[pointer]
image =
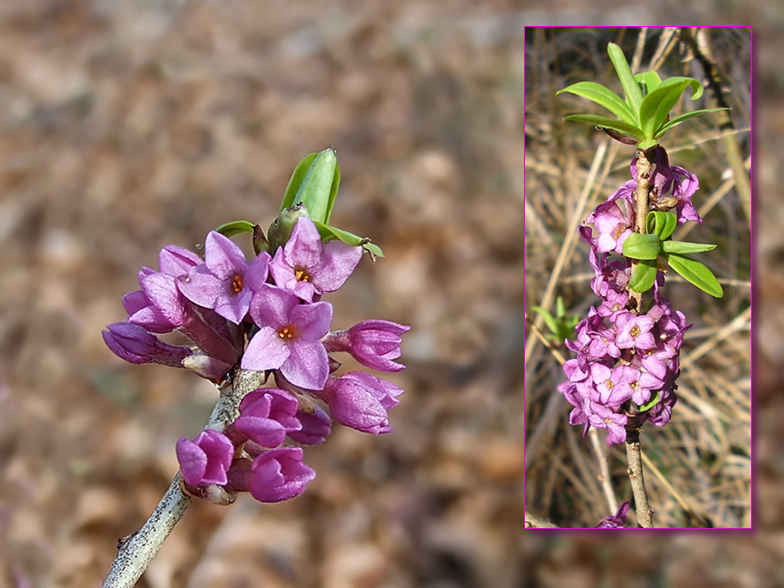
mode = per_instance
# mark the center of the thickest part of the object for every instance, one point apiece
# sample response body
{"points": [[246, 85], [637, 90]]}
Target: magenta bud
{"points": [[279, 474], [137, 345]]}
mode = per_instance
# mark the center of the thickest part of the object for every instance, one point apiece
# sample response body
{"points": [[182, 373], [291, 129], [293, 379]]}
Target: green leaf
{"points": [[608, 123], [560, 311], [296, 180], [649, 81], [696, 273], [643, 276], [656, 106], [683, 247], [318, 188], [684, 117], [647, 144], [652, 402], [603, 97], [638, 246], [328, 233], [235, 228], [548, 319], [662, 224], [631, 88], [333, 192]]}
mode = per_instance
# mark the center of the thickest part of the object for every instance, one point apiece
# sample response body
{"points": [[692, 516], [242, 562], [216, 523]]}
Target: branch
{"points": [[633, 454], [643, 508], [533, 521], [604, 469], [136, 552]]}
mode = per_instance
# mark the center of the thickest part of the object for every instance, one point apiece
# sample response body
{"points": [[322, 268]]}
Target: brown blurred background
{"points": [[125, 127]]}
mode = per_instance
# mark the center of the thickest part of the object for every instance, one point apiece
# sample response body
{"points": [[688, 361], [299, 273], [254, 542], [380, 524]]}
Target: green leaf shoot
{"points": [[643, 276], [682, 247], [639, 246], [695, 273]]}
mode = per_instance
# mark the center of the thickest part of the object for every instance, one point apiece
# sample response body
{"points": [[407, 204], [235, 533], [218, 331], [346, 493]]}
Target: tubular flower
{"points": [[206, 459]]}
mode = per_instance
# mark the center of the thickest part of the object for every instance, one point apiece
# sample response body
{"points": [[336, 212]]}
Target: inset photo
{"points": [[638, 275]]}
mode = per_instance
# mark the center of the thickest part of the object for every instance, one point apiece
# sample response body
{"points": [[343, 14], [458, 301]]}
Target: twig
{"points": [[642, 507], [533, 521], [136, 552], [641, 211], [604, 469]]}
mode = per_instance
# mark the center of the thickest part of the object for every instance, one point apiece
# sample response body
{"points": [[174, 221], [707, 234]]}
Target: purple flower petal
{"points": [[279, 474], [266, 351]]}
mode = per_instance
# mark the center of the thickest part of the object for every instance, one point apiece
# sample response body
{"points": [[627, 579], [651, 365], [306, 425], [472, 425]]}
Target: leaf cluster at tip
{"points": [[643, 113]]}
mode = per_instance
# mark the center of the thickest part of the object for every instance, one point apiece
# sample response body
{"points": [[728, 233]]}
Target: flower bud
{"points": [[136, 345], [281, 228], [206, 459], [279, 474]]}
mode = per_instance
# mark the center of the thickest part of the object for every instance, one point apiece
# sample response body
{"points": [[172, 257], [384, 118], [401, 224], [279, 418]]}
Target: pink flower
{"points": [[361, 401], [279, 474], [374, 344], [634, 331], [266, 415], [136, 345], [307, 267], [289, 337], [225, 282], [316, 426], [206, 459]]}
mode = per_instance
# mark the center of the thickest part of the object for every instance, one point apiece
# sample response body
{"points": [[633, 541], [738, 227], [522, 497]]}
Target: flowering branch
{"points": [[136, 552], [248, 320], [627, 360]]}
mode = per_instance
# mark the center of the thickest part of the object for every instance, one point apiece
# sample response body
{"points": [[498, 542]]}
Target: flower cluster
{"points": [[264, 315], [627, 362]]}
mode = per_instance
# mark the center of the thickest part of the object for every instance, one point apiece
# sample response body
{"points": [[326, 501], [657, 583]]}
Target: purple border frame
{"points": [[752, 491]]}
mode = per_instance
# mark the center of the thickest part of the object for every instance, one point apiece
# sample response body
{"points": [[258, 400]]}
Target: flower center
{"points": [[609, 384], [615, 307], [608, 420], [236, 284], [635, 385], [635, 331], [302, 274], [287, 332]]}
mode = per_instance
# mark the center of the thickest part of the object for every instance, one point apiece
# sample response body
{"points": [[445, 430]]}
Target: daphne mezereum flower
{"points": [[308, 267], [206, 459], [316, 426], [603, 417], [374, 344], [173, 262], [616, 521], [266, 415], [613, 220], [634, 331], [225, 282], [289, 337], [361, 401], [137, 345], [279, 474], [613, 384]]}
